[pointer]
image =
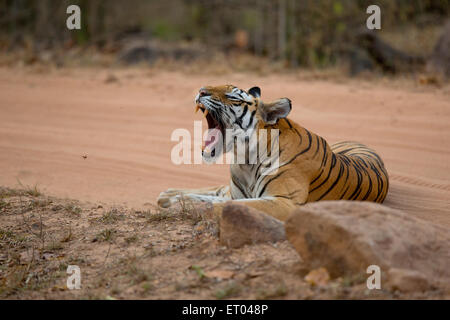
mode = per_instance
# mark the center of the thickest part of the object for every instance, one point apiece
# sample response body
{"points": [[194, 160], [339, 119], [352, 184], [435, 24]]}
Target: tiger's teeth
{"points": [[206, 112]]}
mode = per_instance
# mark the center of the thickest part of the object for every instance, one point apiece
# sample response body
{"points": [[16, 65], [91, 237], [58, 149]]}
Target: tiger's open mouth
{"points": [[212, 140]]}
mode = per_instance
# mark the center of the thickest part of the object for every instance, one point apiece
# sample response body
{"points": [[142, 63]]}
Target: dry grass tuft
{"points": [[112, 216]]}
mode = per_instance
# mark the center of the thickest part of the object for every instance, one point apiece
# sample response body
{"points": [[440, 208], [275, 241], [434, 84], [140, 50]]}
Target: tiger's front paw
{"points": [[164, 202], [167, 198]]}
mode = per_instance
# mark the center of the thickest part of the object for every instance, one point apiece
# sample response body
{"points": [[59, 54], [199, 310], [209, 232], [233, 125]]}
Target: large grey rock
{"points": [[347, 236], [390, 59], [440, 58], [150, 52], [240, 225]]}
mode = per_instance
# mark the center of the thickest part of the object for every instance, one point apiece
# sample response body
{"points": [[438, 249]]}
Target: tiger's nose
{"points": [[203, 92]]}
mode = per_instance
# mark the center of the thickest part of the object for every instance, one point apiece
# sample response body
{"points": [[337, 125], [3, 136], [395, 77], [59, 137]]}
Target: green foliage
{"points": [[229, 290], [251, 19], [338, 8], [199, 271], [315, 32], [166, 31]]}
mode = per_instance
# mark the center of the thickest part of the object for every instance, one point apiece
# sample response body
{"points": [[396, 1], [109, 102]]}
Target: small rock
{"points": [[48, 256], [405, 280], [110, 79], [57, 207], [28, 256], [38, 226], [255, 274], [240, 225], [219, 274], [318, 277]]}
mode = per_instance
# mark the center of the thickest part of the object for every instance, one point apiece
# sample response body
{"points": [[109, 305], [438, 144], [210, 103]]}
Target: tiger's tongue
{"points": [[211, 138]]}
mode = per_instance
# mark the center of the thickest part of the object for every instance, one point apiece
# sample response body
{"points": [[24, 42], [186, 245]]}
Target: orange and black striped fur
{"points": [[309, 169]]}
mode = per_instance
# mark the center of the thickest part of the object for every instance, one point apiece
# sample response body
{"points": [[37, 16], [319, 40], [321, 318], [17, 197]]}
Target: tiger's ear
{"points": [[271, 112], [255, 91]]}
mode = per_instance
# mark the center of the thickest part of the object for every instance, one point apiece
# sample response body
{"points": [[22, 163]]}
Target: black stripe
{"points": [[342, 196], [333, 164], [238, 120], [325, 157], [214, 102], [369, 190], [377, 158], [318, 146], [346, 150], [387, 188], [364, 162], [315, 179], [270, 180], [358, 186], [300, 136], [324, 161], [238, 185], [346, 177], [355, 161], [293, 192], [251, 118], [258, 174], [281, 196], [301, 152], [379, 181], [243, 113], [289, 123], [341, 170]]}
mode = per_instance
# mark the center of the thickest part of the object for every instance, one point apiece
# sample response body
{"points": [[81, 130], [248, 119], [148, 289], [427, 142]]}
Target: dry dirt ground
{"points": [[102, 137]]}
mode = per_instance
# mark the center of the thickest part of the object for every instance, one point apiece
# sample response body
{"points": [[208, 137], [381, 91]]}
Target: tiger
{"points": [[309, 169]]}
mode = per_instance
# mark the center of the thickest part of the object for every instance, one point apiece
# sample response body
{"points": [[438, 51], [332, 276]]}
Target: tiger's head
{"points": [[233, 113]]}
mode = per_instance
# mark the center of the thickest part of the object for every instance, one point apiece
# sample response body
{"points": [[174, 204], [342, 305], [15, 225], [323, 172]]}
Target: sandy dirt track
{"points": [[78, 136]]}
